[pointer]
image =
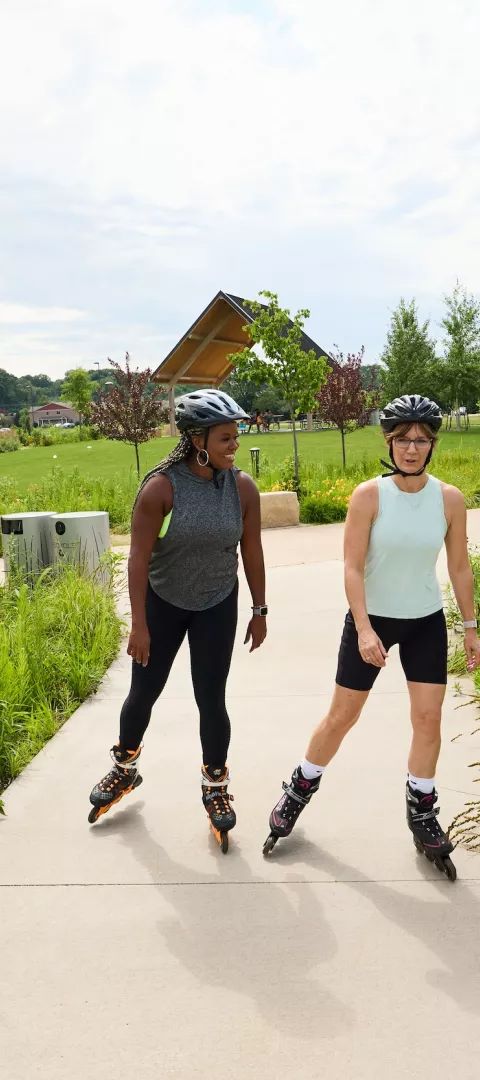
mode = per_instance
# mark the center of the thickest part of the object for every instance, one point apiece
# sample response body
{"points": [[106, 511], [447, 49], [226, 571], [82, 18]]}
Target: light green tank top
{"points": [[405, 541]]}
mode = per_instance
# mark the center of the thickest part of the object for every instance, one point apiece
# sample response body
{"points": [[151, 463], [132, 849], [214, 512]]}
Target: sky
{"points": [[156, 152]]}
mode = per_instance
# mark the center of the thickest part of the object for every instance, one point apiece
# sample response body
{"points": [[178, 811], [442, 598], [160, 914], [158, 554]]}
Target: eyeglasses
{"points": [[419, 444]]}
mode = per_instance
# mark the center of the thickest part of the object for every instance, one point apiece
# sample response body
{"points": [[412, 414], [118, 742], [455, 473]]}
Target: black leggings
{"points": [[211, 635]]}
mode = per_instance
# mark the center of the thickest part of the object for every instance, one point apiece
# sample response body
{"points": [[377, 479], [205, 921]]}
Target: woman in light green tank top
{"points": [[395, 528]]}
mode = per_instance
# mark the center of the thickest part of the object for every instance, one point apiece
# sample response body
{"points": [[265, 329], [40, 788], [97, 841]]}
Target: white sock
{"points": [[421, 783], [311, 771]]}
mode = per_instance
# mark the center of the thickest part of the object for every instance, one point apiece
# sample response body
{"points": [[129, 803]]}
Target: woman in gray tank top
{"points": [[395, 528], [190, 515]]}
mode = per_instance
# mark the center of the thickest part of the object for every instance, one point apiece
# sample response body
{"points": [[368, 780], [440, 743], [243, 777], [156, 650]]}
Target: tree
{"points": [[458, 371], [296, 373], [409, 355], [128, 412], [342, 400], [371, 376], [77, 391], [25, 419], [251, 396]]}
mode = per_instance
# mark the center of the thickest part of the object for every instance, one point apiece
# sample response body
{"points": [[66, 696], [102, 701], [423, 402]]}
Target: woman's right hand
{"points": [[371, 648], [139, 644]]}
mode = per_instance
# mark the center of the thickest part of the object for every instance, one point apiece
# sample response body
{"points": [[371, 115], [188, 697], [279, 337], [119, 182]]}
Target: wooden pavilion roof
{"points": [[200, 358]]}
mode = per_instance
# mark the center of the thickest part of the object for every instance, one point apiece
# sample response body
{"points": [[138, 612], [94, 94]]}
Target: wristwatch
{"points": [[260, 609], [470, 624]]}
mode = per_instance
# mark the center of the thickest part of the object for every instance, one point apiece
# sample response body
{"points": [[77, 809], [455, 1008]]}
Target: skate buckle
{"points": [[298, 798]]}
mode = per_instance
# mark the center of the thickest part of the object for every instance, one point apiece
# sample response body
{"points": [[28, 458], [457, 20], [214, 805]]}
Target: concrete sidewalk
{"points": [[135, 947]]}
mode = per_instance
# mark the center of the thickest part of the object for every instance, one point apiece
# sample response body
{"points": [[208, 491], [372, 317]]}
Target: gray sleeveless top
{"points": [[195, 565]]}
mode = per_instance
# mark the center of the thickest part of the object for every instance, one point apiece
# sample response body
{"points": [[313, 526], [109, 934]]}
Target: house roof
{"points": [[200, 357], [53, 405]]}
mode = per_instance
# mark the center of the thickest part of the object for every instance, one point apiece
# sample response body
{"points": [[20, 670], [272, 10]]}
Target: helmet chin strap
{"points": [[394, 469]]}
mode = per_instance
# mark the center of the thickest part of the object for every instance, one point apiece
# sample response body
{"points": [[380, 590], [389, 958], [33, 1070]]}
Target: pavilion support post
{"points": [[171, 405]]}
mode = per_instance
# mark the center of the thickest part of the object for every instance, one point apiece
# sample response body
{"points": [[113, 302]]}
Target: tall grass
{"points": [[324, 496], [57, 639], [63, 492], [465, 828]]}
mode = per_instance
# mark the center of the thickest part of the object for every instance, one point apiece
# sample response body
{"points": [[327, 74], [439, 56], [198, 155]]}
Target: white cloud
{"points": [[182, 128], [22, 314]]}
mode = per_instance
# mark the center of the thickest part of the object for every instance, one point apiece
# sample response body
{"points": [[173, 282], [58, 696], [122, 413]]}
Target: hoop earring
{"points": [[203, 463]]}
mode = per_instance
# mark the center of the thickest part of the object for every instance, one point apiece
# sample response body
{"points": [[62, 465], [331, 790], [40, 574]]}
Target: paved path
{"points": [[136, 948]]}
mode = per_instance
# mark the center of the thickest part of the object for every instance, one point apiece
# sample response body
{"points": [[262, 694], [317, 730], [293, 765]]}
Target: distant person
{"points": [[255, 420]]}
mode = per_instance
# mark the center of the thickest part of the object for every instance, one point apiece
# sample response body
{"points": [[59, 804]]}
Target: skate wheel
{"points": [[224, 842], [269, 844], [93, 815], [447, 867]]}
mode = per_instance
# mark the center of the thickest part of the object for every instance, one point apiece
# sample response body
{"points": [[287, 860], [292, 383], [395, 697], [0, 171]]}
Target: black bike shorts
{"points": [[423, 650]]}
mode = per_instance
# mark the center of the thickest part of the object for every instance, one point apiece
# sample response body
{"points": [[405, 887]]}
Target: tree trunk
{"points": [[138, 459], [343, 447], [296, 472]]}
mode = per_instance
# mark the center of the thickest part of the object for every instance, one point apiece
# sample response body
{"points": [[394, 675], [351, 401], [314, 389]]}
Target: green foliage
{"points": [[465, 828], [97, 476], [458, 371], [78, 628], [251, 397], [70, 492], [318, 510], [25, 420], [371, 376], [77, 390], [132, 409], [9, 443], [408, 356], [296, 374]]}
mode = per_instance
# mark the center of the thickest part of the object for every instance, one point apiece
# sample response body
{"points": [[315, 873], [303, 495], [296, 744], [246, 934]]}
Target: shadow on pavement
{"points": [[281, 930]]}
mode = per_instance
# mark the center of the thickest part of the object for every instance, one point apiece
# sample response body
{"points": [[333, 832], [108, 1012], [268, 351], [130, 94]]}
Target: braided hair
{"points": [[180, 452]]}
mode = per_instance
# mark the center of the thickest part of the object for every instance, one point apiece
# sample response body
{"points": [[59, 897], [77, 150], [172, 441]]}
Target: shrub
{"points": [[9, 442], [465, 828], [320, 510], [56, 641], [64, 492]]}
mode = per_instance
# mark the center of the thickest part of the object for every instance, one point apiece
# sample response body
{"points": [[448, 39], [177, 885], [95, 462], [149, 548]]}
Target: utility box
{"points": [[27, 542], [80, 539]]}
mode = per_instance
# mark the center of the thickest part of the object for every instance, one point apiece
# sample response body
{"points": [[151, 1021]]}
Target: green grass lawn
{"points": [[106, 459]]}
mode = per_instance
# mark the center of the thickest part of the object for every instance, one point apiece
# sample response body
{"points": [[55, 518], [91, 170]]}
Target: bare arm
{"points": [[154, 502], [252, 556], [459, 569], [361, 514]]}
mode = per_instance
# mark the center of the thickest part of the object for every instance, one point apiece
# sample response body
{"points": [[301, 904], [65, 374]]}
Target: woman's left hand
{"points": [[257, 632], [472, 650]]}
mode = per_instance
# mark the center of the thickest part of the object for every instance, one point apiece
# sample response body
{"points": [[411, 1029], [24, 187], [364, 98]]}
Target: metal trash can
{"points": [[27, 541], [80, 538]]}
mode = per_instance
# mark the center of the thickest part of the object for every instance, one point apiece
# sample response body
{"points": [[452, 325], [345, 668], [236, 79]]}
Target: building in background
{"points": [[55, 412]]}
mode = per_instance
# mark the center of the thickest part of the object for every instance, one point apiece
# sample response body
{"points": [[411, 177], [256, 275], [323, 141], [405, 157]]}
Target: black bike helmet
{"points": [[411, 409], [205, 409]]}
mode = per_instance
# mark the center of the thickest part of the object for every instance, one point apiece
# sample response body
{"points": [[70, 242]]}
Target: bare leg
{"points": [[426, 700], [343, 713]]}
